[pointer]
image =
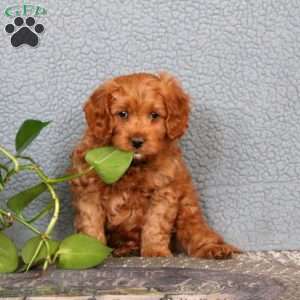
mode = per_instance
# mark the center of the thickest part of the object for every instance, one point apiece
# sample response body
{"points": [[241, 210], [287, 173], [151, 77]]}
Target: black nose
{"points": [[137, 142]]}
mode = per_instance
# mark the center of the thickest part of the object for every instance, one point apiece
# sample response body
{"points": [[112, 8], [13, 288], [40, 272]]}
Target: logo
{"points": [[24, 29]]}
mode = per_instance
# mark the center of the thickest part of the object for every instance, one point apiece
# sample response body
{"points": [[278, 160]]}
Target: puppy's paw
{"points": [[155, 252], [216, 251], [128, 249]]}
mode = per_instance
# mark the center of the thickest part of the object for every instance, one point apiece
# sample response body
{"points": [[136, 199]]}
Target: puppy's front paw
{"points": [[216, 251], [155, 252], [128, 249]]}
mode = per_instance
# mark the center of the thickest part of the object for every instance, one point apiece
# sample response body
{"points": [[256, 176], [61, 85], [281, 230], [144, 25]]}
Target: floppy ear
{"points": [[97, 111], [177, 104]]}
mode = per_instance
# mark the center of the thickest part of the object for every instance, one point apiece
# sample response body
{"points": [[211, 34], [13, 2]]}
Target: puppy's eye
{"points": [[123, 114], [154, 116]]}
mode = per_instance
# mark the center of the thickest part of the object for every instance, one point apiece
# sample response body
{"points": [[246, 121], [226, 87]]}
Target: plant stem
{"points": [[20, 220], [26, 158], [45, 265], [48, 258], [11, 157], [41, 214], [37, 170], [8, 175], [4, 167], [52, 192], [55, 209], [2, 223], [36, 253], [69, 177]]}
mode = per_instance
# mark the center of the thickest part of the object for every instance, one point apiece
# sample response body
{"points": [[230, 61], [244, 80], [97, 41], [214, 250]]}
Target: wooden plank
{"points": [[144, 282], [137, 297]]}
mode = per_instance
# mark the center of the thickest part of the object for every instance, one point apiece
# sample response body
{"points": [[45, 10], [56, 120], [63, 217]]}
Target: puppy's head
{"points": [[142, 113]]}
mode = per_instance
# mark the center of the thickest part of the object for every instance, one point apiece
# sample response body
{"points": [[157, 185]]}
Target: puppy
{"points": [[145, 114]]}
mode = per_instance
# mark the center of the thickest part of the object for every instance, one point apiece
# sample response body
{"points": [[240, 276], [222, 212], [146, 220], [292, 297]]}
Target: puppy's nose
{"points": [[137, 142]]}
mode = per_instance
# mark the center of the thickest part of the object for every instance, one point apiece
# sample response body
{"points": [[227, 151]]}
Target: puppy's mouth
{"points": [[138, 159], [138, 156]]}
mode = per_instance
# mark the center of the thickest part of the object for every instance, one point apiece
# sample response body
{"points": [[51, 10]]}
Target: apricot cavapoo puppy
{"points": [[146, 114]]}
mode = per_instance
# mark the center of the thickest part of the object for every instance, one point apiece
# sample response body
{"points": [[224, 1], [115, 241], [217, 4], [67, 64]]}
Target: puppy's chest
{"points": [[126, 202], [126, 209]]}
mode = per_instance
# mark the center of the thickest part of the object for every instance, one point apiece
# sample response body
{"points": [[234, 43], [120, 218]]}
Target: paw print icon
{"points": [[24, 33]]}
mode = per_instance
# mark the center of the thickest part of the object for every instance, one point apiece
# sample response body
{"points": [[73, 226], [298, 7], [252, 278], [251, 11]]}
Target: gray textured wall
{"points": [[238, 59]]}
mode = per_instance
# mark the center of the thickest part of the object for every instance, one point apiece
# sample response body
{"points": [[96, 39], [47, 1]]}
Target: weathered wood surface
{"points": [[246, 277], [109, 280]]}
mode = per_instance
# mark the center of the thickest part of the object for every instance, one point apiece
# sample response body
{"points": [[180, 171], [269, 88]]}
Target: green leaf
{"points": [[28, 131], [80, 251], [21, 200], [110, 163], [8, 255], [30, 247]]}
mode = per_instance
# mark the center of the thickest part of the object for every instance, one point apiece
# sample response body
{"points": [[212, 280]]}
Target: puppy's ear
{"points": [[177, 104], [97, 112]]}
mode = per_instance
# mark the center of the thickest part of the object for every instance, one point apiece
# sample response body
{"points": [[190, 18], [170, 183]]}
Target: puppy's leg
{"points": [[89, 214], [160, 218], [195, 236]]}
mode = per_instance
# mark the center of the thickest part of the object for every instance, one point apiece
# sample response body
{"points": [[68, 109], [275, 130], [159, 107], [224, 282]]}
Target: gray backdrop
{"points": [[239, 60]]}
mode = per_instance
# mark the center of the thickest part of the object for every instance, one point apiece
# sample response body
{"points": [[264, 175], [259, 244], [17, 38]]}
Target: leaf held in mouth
{"points": [[109, 162]]}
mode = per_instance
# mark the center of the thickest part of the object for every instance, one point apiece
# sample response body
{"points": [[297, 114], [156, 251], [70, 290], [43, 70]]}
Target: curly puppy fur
{"points": [[146, 114]]}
